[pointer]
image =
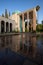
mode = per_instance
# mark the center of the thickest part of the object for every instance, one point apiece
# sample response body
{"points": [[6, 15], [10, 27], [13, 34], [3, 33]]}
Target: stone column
{"points": [[28, 21], [9, 27], [34, 19], [5, 26], [23, 23]]}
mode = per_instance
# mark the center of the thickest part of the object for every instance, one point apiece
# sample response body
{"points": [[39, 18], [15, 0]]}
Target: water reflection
{"points": [[27, 45], [2, 41], [5, 41]]}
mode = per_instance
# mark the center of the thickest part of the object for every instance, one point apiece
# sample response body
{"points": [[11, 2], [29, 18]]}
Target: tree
{"points": [[6, 13], [42, 24], [2, 15], [9, 13], [42, 21], [37, 7], [13, 12], [39, 28], [36, 21]]}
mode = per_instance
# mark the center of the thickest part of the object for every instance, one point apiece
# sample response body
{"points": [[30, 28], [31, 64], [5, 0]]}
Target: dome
{"points": [[16, 11]]}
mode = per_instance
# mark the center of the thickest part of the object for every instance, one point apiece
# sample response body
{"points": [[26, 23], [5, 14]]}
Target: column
{"points": [[9, 27], [34, 19], [5, 26], [23, 23], [28, 21]]}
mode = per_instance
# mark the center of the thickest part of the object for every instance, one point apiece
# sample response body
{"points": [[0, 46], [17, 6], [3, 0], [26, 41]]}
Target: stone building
{"points": [[25, 20], [20, 21]]}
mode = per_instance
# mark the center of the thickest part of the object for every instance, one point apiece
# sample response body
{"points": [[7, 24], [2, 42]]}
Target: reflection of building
{"points": [[19, 21], [28, 48], [5, 41]]}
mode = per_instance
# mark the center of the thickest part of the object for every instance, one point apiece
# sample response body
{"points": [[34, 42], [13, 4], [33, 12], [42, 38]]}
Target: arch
{"points": [[2, 26], [25, 26], [7, 27], [10, 27]]}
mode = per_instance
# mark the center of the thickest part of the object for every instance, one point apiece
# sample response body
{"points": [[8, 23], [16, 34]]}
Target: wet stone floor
{"points": [[21, 49]]}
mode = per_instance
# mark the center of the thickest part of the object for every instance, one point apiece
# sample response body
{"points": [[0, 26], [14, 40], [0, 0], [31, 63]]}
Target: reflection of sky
{"points": [[21, 5]]}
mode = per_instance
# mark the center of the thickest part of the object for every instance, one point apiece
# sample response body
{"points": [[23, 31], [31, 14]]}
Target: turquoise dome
{"points": [[16, 11]]}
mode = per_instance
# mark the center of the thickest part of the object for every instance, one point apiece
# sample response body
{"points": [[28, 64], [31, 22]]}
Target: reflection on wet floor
{"points": [[5, 41], [26, 45]]}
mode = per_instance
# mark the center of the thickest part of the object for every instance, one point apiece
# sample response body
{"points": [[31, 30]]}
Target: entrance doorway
{"points": [[7, 27], [10, 27], [2, 26], [25, 26]]}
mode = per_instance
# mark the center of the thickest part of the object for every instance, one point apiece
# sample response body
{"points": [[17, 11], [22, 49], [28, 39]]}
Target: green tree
{"points": [[39, 27], [2, 15], [42, 22], [6, 13], [13, 12], [36, 21], [37, 8], [9, 13]]}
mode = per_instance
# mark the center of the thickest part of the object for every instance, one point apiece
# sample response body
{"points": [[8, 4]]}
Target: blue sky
{"points": [[22, 5]]}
